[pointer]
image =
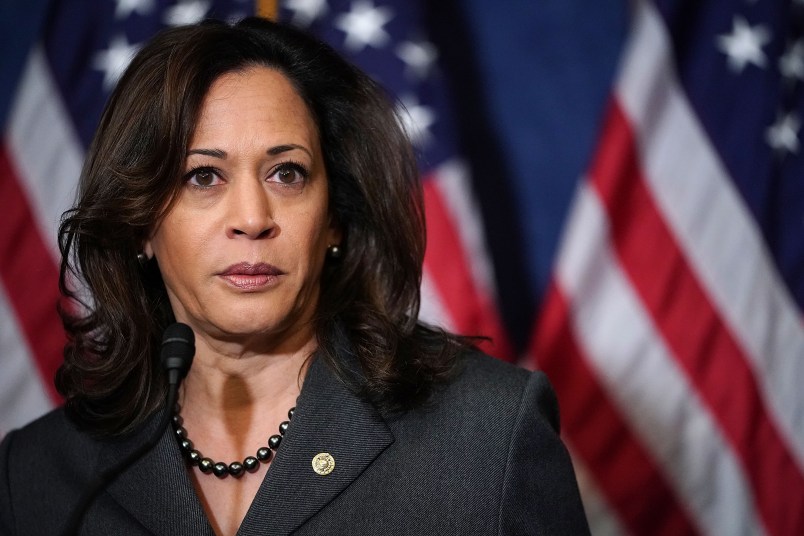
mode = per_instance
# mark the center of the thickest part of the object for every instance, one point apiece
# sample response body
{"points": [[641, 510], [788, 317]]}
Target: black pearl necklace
{"points": [[220, 469]]}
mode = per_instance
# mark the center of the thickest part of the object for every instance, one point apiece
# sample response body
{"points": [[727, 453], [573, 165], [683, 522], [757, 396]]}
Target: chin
{"points": [[261, 323]]}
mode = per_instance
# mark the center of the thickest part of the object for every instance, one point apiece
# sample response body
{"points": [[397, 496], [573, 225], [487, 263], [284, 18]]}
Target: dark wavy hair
{"points": [[369, 299]]}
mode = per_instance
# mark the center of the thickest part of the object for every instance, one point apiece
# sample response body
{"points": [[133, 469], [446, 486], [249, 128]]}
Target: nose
{"points": [[250, 211]]}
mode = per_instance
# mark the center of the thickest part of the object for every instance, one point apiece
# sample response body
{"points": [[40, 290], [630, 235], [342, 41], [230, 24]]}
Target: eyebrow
{"points": [[273, 151], [279, 149], [216, 153]]}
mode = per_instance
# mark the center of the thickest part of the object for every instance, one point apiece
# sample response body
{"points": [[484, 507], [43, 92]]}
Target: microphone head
{"points": [[178, 350]]}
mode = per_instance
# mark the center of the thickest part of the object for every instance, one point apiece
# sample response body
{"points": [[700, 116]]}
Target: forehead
{"points": [[254, 100]]}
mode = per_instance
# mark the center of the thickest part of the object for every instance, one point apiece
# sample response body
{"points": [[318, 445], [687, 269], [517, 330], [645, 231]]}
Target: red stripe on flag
{"points": [[692, 328], [471, 311], [624, 471], [29, 276]]}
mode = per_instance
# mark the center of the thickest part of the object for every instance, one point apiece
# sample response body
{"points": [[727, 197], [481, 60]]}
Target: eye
{"points": [[203, 177], [289, 173]]}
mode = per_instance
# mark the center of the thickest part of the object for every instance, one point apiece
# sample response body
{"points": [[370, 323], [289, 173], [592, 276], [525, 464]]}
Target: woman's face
{"points": [[242, 249]]}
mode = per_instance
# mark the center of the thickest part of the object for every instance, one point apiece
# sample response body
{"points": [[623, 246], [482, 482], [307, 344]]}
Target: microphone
{"points": [[178, 350], [176, 357]]}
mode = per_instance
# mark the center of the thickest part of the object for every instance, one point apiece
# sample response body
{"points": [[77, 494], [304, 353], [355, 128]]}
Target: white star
{"points": [[416, 120], [114, 60], [306, 11], [186, 12], [782, 136], [744, 44], [419, 56], [792, 63], [125, 8], [363, 25]]}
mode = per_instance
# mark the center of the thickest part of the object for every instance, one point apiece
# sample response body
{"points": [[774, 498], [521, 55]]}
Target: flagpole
{"points": [[267, 8]]}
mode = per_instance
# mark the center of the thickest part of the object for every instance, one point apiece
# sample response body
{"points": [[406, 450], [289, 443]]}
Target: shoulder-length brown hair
{"points": [[370, 297]]}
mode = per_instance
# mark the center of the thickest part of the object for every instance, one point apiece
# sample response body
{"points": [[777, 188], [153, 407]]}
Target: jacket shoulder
{"points": [[486, 375], [485, 383], [52, 436], [44, 466]]}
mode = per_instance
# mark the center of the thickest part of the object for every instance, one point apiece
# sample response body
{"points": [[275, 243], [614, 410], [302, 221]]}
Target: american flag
{"points": [[614, 191], [673, 323]]}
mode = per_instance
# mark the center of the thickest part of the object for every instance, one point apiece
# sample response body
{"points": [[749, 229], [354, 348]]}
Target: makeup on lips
{"points": [[246, 276]]}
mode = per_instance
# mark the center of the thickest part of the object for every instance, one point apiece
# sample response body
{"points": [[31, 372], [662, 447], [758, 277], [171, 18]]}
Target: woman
{"points": [[248, 182]]}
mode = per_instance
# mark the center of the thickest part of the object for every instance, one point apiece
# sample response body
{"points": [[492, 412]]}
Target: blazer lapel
{"points": [[156, 490], [329, 419]]}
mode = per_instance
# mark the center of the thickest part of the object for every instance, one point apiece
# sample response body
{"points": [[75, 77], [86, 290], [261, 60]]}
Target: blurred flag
{"points": [[635, 231], [673, 328]]}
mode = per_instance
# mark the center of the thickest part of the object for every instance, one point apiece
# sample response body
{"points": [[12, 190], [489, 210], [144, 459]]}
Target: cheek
{"points": [[323, 235], [310, 220], [310, 242], [177, 244], [307, 245]]}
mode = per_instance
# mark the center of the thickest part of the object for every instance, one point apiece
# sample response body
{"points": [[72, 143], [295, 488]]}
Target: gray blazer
{"points": [[482, 457]]}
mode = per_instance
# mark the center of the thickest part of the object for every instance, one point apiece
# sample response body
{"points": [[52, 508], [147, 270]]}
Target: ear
{"points": [[334, 236], [148, 249], [334, 232]]}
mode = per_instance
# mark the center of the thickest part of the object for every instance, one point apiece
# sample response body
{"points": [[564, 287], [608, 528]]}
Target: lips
{"points": [[246, 276]]}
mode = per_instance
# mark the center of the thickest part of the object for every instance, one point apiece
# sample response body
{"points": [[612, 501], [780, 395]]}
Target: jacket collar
{"points": [[329, 418], [156, 490]]}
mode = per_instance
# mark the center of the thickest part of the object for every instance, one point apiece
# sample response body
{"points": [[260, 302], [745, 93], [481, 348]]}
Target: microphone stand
{"points": [[178, 349]]}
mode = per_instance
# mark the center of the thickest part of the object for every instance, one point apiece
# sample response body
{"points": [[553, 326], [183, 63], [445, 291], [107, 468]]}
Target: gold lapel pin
{"points": [[323, 463]]}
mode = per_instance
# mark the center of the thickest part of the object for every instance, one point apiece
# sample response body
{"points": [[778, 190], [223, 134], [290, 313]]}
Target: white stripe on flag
{"points": [[452, 180], [22, 395], [622, 345], [432, 308], [43, 145], [701, 205], [602, 519]]}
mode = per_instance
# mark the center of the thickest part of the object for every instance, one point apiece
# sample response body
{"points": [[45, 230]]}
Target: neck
{"points": [[231, 402], [230, 385]]}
